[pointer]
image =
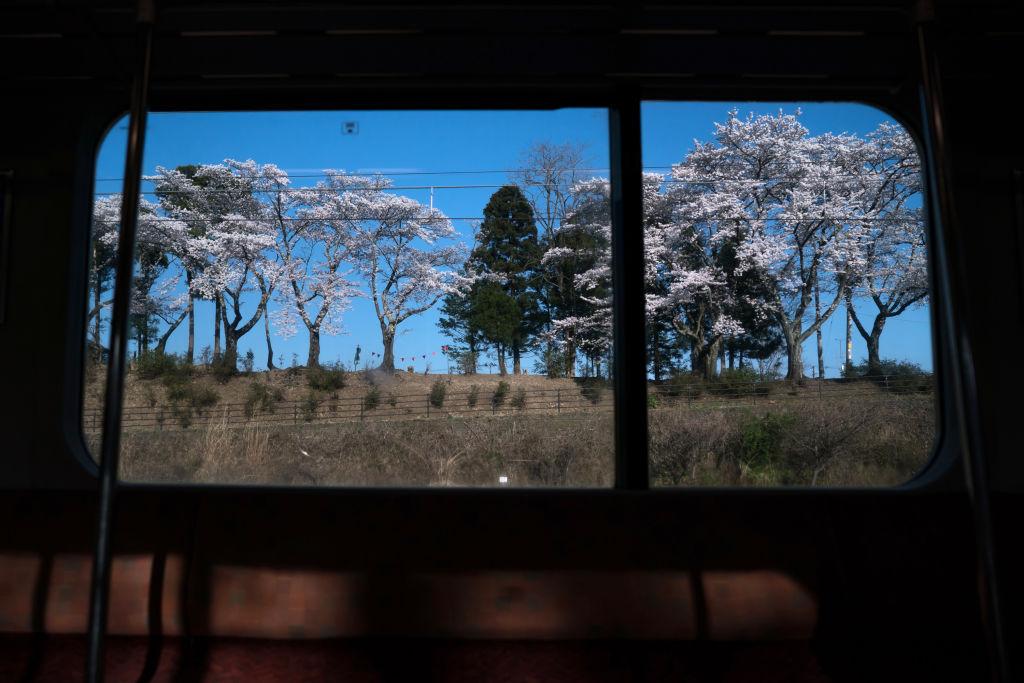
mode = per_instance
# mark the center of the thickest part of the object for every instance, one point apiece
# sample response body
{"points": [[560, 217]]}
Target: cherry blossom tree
{"points": [[161, 245], [394, 243], [238, 240], [793, 201], [580, 248], [894, 271]]}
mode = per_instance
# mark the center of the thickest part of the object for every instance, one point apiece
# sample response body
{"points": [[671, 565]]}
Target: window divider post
{"points": [[628, 303]]}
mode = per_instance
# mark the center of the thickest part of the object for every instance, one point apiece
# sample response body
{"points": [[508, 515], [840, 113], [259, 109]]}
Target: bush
{"points": [[737, 383], [328, 377], [761, 445], [466, 361], [392, 399], [592, 390], [225, 367], [652, 400], [186, 398], [473, 396], [372, 399], [500, 394], [156, 364], [900, 377], [438, 390], [248, 362], [309, 406], [201, 397], [262, 399], [685, 385], [519, 398]]}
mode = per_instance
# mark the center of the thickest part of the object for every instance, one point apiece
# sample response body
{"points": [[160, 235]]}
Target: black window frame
{"points": [[623, 102]]}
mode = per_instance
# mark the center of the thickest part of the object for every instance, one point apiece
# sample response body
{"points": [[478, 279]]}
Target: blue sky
{"points": [[437, 149]]}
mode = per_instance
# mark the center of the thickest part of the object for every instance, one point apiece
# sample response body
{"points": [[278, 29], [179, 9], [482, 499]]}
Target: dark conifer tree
{"points": [[507, 246]]}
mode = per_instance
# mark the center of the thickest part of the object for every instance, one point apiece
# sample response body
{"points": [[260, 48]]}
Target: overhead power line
{"points": [[165, 219]]}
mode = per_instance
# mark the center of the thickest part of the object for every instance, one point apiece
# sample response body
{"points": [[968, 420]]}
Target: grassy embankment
{"points": [[855, 433]]}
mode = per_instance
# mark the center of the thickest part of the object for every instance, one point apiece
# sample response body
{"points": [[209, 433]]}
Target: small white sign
{"points": [[503, 480]]}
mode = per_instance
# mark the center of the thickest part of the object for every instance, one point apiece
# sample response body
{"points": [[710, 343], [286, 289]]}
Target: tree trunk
{"points": [[97, 305], [387, 363], [502, 369], [516, 360], [709, 359], [161, 343], [817, 316], [873, 342], [270, 346], [570, 360], [795, 355], [472, 356], [313, 359], [218, 313], [190, 354]]}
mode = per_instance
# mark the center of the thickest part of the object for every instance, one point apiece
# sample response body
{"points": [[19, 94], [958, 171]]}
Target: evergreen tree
{"points": [[458, 324], [507, 246]]}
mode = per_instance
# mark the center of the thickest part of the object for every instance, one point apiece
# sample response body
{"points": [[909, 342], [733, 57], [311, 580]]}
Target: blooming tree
{"points": [[394, 243], [894, 268]]}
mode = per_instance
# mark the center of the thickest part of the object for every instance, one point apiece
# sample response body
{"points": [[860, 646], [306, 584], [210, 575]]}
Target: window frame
{"points": [[623, 103]]}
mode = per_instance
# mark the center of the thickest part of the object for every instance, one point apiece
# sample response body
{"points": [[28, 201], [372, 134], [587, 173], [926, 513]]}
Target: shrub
{"points": [[156, 364], [466, 362], [737, 383], [473, 396], [329, 377], [186, 398], [519, 398], [225, 367], [685, 385], [592, 390], [901, 377], [438, 390], [201, 397], [248, 362], [652, 400], [392, 399], [372, 399], [500, 394], [761, 444], [262, 399], [183, 414], [309, 406], [150, 396]]}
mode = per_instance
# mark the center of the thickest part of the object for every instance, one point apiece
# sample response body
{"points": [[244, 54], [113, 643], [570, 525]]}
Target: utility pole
{"points": [[849, 338], [817, 317]]}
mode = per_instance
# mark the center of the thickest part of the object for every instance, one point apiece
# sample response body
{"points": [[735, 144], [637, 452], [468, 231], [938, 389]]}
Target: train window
{"points": [[788, 326], [394, 298]]}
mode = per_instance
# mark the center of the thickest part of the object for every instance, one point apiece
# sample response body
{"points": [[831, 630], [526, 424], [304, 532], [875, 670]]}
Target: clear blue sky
{"points": [[436, 148]]}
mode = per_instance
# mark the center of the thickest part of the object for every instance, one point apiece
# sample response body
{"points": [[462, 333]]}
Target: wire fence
{"points": [[579, 401]]}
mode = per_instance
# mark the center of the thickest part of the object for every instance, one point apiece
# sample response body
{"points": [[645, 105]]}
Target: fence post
{"points": [[295, 414], [819, 388], [428, 405], [559, 401]]}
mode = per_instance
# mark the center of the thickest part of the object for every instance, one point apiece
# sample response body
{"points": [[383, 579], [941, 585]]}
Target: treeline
{"points": [[753, 241]]}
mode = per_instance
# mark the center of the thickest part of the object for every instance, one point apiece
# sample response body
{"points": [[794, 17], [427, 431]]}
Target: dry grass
{"points": [[874, 440]]}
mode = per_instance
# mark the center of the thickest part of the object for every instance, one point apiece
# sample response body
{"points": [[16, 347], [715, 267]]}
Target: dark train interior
{"points": [[113, 580]]}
